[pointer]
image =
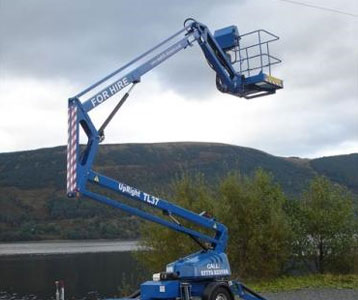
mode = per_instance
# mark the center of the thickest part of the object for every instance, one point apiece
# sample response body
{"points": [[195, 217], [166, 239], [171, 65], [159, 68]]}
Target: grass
{"points": [[290, 283]]}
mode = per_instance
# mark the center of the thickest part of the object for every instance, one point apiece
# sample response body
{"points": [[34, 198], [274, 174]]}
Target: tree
{"points": [[252, 208], [328, 226], [164, 245]]}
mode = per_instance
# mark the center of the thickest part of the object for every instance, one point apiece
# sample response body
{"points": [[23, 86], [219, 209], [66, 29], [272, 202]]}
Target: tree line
{"points": [[270, 234]]}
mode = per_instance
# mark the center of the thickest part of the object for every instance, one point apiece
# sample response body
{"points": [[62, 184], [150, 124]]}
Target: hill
{"points": [[32, 183]]}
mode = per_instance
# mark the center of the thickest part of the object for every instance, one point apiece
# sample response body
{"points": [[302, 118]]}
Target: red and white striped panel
{"points": [[72, 150]]}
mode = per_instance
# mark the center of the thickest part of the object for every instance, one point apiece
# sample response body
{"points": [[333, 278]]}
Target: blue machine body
{"points": [[192, 274], [161, 289], [203, 264], [168, 289]]}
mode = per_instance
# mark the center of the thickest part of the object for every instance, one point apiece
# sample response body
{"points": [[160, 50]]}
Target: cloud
{"points": [[51, 50], [80, 40]]}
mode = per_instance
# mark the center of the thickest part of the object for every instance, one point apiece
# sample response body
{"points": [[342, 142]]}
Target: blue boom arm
{"points": [[80, 173], [217, 51], [234, 75], [135, 75]]}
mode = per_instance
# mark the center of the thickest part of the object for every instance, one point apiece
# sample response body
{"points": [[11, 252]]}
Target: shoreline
{"points": [[52, 247]]}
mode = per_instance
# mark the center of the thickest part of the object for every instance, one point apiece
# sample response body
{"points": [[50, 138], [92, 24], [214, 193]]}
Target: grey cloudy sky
{"points": [[51, 50]]}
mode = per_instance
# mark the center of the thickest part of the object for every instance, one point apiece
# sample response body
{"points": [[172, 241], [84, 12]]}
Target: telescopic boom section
{"points": [[135, 75]]}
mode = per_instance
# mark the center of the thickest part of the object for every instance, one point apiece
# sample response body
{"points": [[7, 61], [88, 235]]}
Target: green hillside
{"points": [[32, 183], [342, 169]]}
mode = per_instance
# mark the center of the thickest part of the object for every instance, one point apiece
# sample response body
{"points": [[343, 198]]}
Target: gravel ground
{"points": [[314, 294]]}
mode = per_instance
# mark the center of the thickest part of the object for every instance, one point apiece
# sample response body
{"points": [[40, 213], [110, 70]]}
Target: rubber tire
{"points": [[220, 291], [213, 290]]}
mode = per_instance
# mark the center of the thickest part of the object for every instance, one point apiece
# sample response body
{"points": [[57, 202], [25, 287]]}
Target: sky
{"points": [[51, 50]]}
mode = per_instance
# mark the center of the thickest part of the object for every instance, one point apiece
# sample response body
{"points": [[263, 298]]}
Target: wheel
{"points": [[220, 293], [217, 291]]}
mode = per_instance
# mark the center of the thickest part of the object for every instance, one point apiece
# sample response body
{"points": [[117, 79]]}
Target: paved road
{"points": [[315, 294], [306, 294]]}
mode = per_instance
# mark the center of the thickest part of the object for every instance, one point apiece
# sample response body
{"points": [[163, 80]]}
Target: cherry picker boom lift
{"points": [[242, 70]]}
